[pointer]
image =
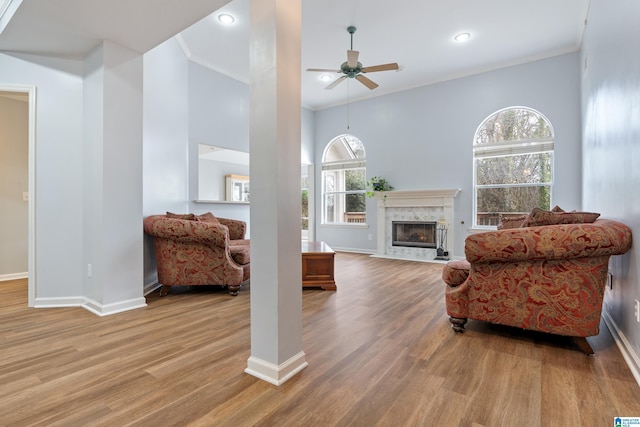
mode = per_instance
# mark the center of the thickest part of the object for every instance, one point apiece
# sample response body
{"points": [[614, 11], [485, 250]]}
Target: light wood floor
{"points": [[380, 352]]}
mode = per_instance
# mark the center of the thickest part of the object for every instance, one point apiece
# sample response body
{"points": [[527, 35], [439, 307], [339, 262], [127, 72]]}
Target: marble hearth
{"points": [[414, 205]]}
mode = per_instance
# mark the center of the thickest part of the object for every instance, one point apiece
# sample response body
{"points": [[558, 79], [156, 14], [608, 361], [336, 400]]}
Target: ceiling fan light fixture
{"points": [[462, 37], [353, 69], [226, 19]]}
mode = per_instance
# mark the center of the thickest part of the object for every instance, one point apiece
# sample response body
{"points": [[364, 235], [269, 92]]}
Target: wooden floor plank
{"points": [[380, 352]]}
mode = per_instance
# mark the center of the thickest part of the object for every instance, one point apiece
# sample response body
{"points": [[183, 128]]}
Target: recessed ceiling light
{"points": [[462, 37], [226, 19], [325, 77]]}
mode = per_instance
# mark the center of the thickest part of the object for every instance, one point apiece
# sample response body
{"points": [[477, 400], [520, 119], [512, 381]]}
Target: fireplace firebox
{"points": [[415, 234]]}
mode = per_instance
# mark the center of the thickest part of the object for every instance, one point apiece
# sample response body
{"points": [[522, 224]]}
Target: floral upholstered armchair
{"points": [[548, 275], [199, 250]]}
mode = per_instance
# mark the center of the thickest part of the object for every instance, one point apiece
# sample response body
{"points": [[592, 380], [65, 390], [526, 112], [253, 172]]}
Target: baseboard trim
{"points": [[150, 287], [354, 250], [59, 302], [276, 374], [91, 305], [13, 276], [117, 307], [629, 354], [400, 258]]}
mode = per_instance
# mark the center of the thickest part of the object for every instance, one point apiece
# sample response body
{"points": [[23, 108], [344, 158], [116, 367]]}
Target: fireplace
{"points": [[414, 234], [411, 207]]}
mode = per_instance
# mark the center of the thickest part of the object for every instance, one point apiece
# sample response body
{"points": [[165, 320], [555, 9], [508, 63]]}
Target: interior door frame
{"points": [[31, 233]]}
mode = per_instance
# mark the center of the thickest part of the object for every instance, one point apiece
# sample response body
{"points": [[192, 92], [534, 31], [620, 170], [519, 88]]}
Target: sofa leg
{"points": [[234, 290], [164, 291], [457, 323], [584, 345]]}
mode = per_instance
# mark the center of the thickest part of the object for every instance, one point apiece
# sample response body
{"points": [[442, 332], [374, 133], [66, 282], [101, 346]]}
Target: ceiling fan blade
{"points": [[352, 58], [335, 83], [324, 70], [367, 82], [383, 67]]}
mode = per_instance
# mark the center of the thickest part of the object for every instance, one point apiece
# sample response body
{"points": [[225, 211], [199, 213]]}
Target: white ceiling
{"points": [[71, 28], [417, 34]]}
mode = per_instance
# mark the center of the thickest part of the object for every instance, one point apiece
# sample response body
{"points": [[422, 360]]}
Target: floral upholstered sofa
{"points": [[199, 250], [547, 274]]}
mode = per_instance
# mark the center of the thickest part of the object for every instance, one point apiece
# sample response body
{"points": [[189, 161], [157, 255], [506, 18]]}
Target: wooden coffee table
{"points": [[317, 266]]}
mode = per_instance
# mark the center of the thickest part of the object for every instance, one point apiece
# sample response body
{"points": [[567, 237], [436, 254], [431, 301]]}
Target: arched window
{"points": [[513, 165], [344, 181]]}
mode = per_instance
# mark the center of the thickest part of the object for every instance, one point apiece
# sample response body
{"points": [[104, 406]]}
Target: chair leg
{"points": [[457, 323], [165, 290], [584, 345], [234, 290]]}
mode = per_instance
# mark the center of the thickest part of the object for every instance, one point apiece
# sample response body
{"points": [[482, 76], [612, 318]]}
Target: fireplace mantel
{"points": [[422, 204]]}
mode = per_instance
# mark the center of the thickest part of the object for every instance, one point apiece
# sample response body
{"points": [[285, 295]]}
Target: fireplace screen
{"points": [[420, 234]]}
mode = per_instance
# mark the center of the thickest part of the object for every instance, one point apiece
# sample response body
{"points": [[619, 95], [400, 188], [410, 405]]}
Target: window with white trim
{"points": [[304, 184], [344, 181], [512, 165]]}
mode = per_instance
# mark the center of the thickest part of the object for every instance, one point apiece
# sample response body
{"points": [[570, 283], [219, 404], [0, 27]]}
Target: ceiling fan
{"points": [[353, 69]]}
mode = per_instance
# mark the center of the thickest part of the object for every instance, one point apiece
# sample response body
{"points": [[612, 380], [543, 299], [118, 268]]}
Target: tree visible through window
{"points": [[344, 181], [513, 165]]}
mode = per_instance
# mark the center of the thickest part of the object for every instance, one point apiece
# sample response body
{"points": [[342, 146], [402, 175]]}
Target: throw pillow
{"points": [[511, 222], [557, 208], [539, 217], [207, 217], [190, 216]]}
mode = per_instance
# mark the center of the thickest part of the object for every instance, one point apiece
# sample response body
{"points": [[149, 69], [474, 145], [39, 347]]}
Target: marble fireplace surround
{"points": [[413, 205]]}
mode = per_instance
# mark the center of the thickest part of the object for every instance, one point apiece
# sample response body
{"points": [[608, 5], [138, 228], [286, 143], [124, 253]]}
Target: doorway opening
{"points": [[28, 94]]}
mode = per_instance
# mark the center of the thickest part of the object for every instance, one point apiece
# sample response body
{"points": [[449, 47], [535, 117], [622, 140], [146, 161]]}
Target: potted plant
{"points": [[377, 183]]}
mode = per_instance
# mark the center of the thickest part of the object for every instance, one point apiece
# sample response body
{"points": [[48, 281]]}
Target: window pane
{"points": [[514, 124], [344, 181], [355, 203], [513, 151], [355, 179], [512, 200], [346, 147], [329, 207], [304, 186], [305, 209], [356, 146], [521, 169], [329, 181]]}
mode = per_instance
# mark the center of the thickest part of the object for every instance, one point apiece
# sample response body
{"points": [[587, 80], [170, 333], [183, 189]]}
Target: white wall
{"points": [[69, 219], [218, 109], [212, 184], [59, 174], [113, 178], [308, 135], [219, 115], [14, 152], [186, 104], [422, 138], [165, 139], [93, 112], [611, 145]]}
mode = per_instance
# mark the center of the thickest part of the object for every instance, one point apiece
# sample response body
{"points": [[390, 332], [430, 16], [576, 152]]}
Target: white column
{"points": [[113, 180], [275, 134]]}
